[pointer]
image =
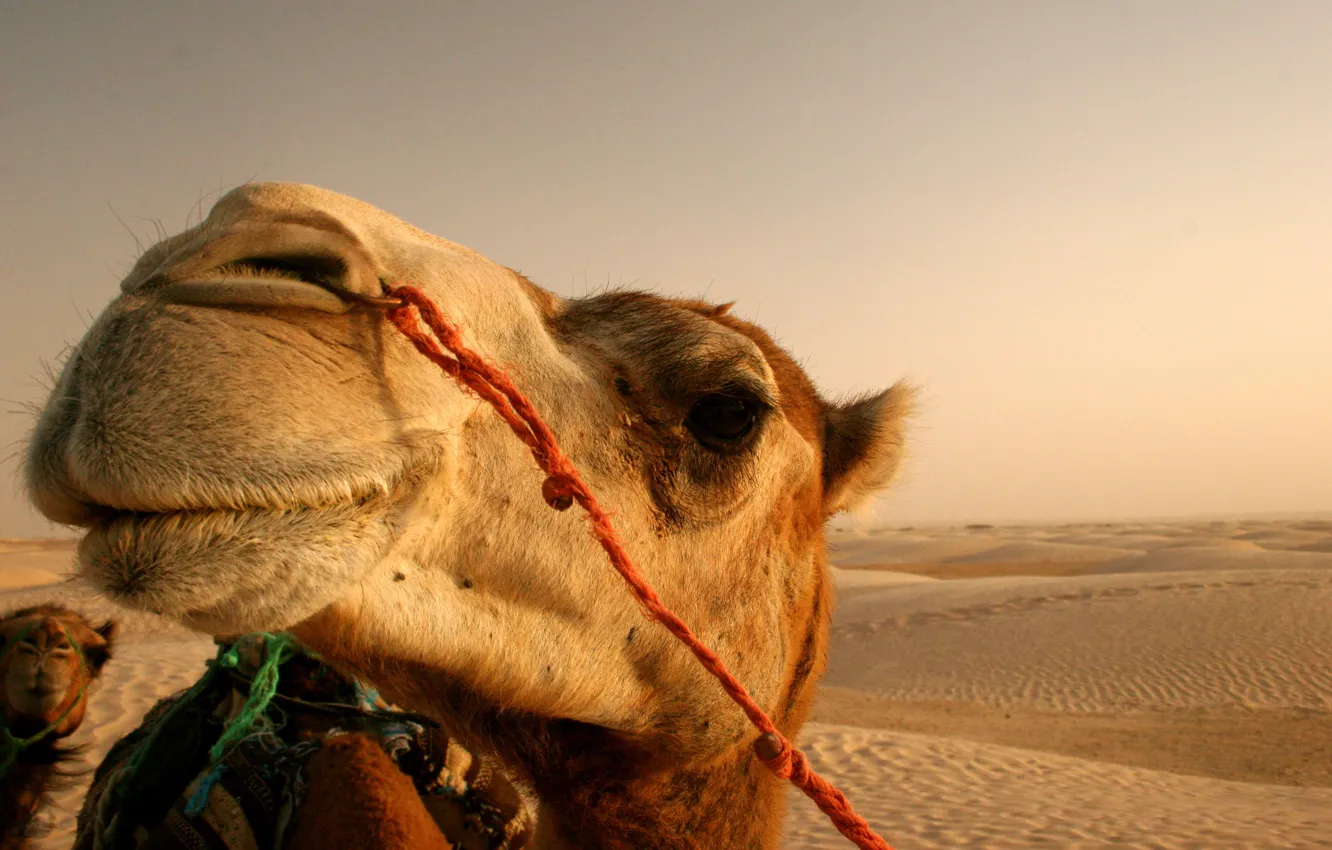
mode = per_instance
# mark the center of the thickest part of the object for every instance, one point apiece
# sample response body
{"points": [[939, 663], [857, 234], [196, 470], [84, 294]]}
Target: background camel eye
{"points": [[723, 420]]}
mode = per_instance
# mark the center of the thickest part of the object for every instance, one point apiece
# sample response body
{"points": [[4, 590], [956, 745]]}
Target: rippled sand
{"points": [[1135, 685]]}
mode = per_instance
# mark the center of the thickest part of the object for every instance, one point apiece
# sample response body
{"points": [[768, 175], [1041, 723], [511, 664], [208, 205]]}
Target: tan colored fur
{"points": [[249, 453]]}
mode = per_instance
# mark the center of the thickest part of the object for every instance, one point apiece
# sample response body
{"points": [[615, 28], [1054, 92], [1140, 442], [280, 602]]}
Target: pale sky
{"points": [[1098, 234]]}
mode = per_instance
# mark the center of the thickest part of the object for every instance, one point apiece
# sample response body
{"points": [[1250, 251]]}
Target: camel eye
{"points": [[723, 421]]}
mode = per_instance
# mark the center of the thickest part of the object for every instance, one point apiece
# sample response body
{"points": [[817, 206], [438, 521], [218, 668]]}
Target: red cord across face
{"points": [[562, 487]]}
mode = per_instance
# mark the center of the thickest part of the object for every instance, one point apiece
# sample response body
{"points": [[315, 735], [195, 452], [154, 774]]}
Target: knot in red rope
{"points": [[559, 491], [782, 759]]}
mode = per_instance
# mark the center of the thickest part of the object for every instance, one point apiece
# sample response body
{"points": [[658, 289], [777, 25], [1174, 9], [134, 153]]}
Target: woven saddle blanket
{"points": [[158, 790]]}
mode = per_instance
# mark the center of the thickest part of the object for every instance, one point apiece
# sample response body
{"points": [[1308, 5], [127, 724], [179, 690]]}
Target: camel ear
{"points": [[862, 450], [99, 652], [110, 630]]}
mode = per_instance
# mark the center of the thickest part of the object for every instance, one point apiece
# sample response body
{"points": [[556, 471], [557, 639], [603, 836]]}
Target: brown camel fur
{"points": [[249, 452], [46, 679], [357, 797]]}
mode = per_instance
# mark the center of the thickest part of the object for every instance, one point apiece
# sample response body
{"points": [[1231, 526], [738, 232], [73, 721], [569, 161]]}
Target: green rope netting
{"points": [[278, 649]]}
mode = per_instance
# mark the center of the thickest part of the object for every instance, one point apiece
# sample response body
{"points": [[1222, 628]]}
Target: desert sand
{"points": [[1154, 684]]}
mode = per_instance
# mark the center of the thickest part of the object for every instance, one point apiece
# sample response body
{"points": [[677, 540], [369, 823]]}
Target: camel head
{"points": [[50, 656], [248, 451]]}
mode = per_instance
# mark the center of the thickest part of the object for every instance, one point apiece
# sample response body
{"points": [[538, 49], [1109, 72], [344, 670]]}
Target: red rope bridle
{"points": [[564, 486]]}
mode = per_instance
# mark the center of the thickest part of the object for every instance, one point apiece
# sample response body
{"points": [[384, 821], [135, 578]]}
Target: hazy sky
{"points": [[1099, 234]]}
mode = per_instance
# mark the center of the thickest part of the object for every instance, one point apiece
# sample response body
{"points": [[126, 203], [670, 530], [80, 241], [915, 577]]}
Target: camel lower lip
{"points": [[224, 569]]}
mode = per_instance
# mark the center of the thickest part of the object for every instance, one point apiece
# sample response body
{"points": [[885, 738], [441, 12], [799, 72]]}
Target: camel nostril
{"points": [[304, 281], [325, 271], [278, 263], [237, 289], [320, 269]]}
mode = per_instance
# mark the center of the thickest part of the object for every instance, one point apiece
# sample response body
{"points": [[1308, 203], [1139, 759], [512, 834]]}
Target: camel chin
{"points": [[36, 702]]}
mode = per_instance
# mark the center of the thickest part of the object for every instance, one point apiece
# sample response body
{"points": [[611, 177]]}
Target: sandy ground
{"points": [[1131, 685]]}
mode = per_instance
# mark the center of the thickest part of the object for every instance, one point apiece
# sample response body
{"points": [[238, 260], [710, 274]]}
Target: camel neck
{"points": [[730, 803]]}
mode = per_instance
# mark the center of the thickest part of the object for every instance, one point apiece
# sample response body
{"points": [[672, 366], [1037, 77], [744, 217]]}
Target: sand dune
{"points": [[848, 551], [925, 792], [976, 555], [1188, 558], [1214, 543], [1085, 685], [1115, 541], [15, 576], [1283, 538], [1096, 643], [1148, 543], [874, 578], [1041, 552], [55, 557]]}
